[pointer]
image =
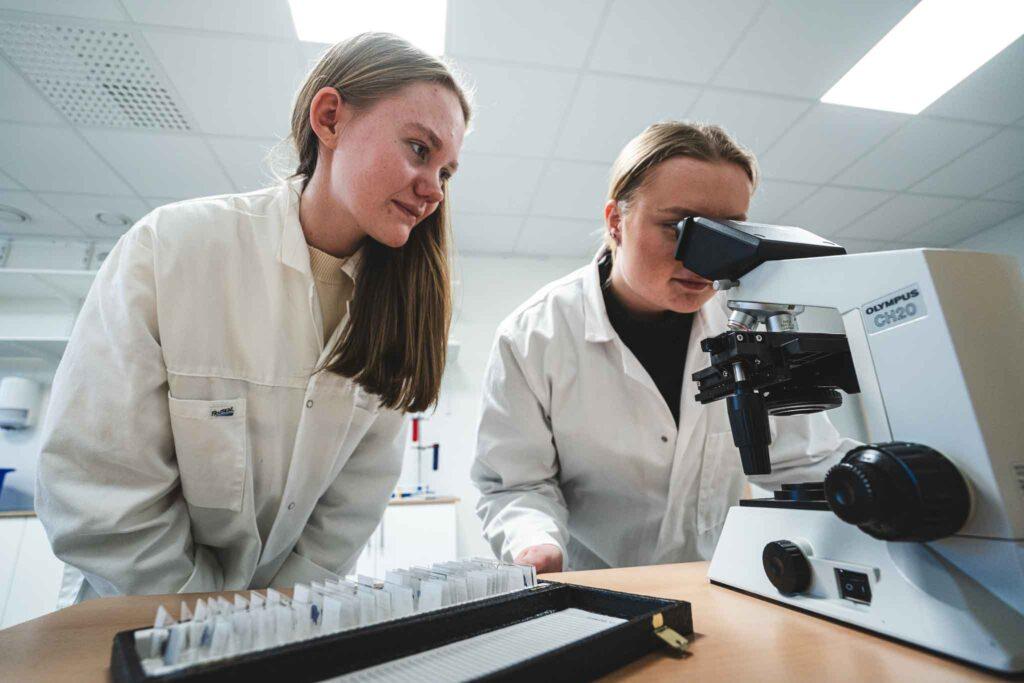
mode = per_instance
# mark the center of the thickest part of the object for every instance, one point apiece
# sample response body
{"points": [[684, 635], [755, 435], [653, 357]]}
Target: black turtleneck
{"points": [[659, 343]]}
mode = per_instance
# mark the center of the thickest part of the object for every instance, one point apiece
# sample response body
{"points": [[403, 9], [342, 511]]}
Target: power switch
{"points": [[854, 586]]}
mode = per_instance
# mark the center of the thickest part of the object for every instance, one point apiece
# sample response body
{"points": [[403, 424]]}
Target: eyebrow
{"points": [[435, 141], [683, 211]]}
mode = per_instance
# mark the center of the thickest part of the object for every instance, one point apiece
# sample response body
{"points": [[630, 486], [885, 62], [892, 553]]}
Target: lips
{"points": [[407, 210], [695, 285]]}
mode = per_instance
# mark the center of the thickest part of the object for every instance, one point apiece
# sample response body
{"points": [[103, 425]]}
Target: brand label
{"points": [[894, 309]]}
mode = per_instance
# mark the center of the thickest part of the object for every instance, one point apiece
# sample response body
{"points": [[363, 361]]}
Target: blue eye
{"points": [[419, 150]]}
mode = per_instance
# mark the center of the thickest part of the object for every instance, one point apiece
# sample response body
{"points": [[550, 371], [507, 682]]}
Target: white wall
{"points": [[490, 288], [1005, 238]]}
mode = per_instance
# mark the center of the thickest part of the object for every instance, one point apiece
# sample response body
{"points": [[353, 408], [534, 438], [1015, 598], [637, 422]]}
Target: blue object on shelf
{"points": [[3, 473]]}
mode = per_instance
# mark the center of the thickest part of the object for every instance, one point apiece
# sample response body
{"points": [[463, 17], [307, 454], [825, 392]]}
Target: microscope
{"points": [[919, 534]]}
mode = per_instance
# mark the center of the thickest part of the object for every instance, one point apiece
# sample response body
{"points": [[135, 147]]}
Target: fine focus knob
{"points": [[786, 567], [899, 492]]}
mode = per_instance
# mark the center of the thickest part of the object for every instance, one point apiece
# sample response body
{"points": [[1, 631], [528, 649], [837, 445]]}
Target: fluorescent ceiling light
{"points": [[937, 45], [421, 22]]}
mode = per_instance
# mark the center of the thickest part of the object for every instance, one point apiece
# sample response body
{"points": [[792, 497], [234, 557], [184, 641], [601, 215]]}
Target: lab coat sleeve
{"points": [[516, 466], [107, 489], [350, 509], [803, 448]]}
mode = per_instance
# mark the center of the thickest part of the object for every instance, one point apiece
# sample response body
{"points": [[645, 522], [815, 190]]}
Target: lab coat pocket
{"points": [[721, 481], [210, 443]]}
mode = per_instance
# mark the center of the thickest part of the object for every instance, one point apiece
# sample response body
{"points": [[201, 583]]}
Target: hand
{"points": [[545, 557]]}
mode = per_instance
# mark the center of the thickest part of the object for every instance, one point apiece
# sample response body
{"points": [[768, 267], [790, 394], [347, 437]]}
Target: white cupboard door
{"points": [[418, 535], [37, 577], [12, 529]]}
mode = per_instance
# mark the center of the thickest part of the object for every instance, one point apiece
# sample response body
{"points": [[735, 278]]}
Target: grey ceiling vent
{"points": [[97, 76]]}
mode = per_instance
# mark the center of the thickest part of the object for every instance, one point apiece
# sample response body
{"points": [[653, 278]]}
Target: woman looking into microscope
{"points": [[591, 450]]}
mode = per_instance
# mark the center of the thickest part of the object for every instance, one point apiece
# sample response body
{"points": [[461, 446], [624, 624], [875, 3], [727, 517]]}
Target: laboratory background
{"points": [[197, 103]]}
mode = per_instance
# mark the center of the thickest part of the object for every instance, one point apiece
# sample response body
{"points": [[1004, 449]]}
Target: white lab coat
{"points": [[204, 306], [577, 448]]}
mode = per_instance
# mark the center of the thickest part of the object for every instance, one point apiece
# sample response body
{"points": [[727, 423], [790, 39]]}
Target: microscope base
{"points": [[961, 597]]}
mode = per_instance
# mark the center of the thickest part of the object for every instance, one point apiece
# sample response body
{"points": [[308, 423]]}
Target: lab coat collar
{"points": [[293, 251], [596, 325]]}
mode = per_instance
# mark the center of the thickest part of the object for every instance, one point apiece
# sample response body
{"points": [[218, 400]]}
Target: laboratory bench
{"points": [[738, 638]]}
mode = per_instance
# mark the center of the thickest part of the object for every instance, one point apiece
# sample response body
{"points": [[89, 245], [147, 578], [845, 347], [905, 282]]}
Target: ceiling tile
{"points": [[497, 29], [43, 219], [559, 237], [983, 168], [485, 234], [7, 182], [855, 246], [160, 163], [774, 198], [988, 94], [970, 219], [55, 160], [82, 210], [259, 17], [682, 40], [518, 109], [20, 102], [157, 202], [572, 190], [252, 164], [830, 209], [754, 120], [88, 9], [495, 184], [896, 219], [608, 111], [912, 152], [825, 141], [1011, 191], [802, 47], [232, 86]]}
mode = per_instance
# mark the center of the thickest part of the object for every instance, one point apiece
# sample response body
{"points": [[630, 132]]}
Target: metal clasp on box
{"points": [[669, 635]]}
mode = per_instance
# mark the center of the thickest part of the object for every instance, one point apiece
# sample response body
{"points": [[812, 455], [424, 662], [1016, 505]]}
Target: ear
{"points": [[328, 114], [613, 220]]}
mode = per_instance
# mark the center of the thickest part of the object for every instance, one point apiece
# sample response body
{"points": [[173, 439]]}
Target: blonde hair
{"points": [[668, 139], [396, 339]]}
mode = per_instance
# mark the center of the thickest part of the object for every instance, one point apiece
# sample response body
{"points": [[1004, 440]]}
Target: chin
{"points": [[688, 304], [395, 238]]}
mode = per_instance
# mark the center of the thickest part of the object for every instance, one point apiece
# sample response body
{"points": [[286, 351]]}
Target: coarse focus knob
{"points": [[786, 567], [899, 492]]}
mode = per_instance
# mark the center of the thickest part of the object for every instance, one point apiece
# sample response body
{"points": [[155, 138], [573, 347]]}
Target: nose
{"points": [[429, 188]]}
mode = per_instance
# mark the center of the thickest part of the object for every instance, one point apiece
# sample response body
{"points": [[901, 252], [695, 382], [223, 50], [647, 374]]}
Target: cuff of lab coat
{"points": [[206, 575], [298, 569], [521, 543]]}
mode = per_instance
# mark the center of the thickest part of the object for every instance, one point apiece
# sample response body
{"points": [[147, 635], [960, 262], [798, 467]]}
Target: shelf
{"points": [[39, 283], [42, 348]]}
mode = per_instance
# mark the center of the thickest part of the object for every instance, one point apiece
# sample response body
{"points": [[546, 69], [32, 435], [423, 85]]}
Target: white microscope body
{"points": [[936, 338]]}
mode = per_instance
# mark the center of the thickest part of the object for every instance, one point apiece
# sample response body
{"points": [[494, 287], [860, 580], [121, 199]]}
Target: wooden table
{"points": [[739, 638]]}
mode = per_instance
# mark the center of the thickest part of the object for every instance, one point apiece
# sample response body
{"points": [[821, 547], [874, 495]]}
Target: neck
{"points": [[327, 225], [634, 304]]}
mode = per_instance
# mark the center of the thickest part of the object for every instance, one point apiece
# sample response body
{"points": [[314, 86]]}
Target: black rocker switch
{"points": [[854, 586]]}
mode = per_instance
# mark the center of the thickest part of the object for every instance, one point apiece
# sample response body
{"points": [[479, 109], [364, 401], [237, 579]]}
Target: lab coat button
{"points": [[291, 506], [309, 403], [664, 439]]}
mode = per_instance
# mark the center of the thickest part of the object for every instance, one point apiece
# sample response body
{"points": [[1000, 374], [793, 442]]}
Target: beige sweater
{"points": [[335, 283]]}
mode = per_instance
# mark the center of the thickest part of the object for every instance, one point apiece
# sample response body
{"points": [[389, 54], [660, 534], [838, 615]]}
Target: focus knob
{"points": [[899, 492], [786, 567]]}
